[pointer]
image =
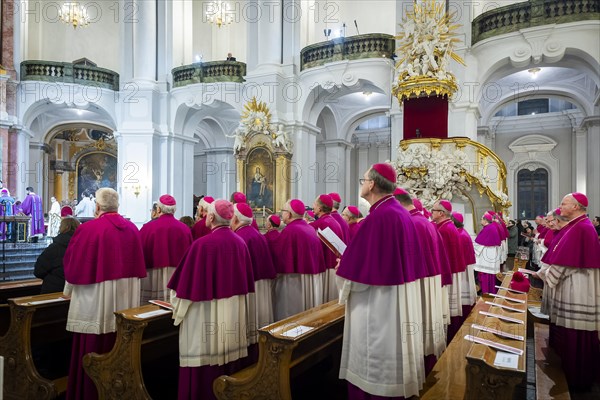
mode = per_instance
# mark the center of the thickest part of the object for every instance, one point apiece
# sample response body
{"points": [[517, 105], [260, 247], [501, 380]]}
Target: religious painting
{"points": [[96, 170], [260, 178]]}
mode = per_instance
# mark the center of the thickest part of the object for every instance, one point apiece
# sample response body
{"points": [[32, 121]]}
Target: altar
{"points": [[16, 227]]}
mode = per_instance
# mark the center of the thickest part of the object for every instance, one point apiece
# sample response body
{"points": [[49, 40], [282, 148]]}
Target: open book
{"points": [[332, 241]]}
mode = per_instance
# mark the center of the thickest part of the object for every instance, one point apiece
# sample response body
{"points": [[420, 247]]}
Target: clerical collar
{"points": [[380, 202], [568, 227], [108, 212], [241, 226], [444, 222], [216, 228]]}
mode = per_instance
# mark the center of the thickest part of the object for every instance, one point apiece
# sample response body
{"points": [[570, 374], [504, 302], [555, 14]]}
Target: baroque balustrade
{"points": [[371, 45], [52, 71], [532, 13], [209, 72]]}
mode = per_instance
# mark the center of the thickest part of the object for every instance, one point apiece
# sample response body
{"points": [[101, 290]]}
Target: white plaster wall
{"points": [[52, 40], [372, 16]]}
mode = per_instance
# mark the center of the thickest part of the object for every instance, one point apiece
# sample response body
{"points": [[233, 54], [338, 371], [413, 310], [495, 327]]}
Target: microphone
{"points": [[356, 25]]}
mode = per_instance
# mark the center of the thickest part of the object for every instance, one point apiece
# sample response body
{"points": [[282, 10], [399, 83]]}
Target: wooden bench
{"points": [[550, 381], [484, 379], [36, 321], [14, 289], [448, 378], [285, 351], [144, 334]]}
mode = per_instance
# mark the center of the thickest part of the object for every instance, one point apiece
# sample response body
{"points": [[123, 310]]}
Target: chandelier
{"points": [[75, 14], [219, 13]]}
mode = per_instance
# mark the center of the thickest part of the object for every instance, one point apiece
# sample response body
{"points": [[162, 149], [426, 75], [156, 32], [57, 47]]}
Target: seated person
{"points": [[49, 265]]}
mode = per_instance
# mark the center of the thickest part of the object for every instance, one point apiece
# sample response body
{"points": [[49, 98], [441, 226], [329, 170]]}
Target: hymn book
{"points": [[332, 241]]}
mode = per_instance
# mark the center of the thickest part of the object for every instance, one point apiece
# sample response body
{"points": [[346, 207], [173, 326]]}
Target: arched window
{"points": [[532, 193]]}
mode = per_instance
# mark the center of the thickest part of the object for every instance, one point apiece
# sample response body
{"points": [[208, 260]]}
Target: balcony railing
{"points": [[532, 13], [371, 45], [50, 71], [209, 72]]}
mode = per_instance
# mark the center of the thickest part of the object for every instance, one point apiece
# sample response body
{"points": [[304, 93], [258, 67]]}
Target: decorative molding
{"points": [[590, 121], [532, 152], [336, 142], [533, 143]]}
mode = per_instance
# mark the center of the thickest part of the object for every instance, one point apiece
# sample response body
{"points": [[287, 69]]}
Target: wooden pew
{"points": [[448, 379], [13, 289], [484, 379], [283, 355], [36, 321], [550, 381], [144, 334]]}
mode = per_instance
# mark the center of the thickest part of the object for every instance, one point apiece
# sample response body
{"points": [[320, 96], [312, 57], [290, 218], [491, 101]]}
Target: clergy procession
{"points": [[398, 212], [408, 277]]}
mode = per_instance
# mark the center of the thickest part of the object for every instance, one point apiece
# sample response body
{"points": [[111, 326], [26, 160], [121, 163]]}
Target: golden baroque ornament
{"points": [[426, 47]]}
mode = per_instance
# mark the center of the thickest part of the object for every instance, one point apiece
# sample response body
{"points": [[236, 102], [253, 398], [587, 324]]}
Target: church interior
{"points": [[494, 106]]}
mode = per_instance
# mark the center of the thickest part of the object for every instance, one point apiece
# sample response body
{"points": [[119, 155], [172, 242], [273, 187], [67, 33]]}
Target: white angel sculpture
{"points": [[239, 136], [280, 138]]}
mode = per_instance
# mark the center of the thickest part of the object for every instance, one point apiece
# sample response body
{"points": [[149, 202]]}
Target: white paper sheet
{"points": [[33, 303], [152, 313], [333, 239], [504, 306], [506, 360], [297, 331]]}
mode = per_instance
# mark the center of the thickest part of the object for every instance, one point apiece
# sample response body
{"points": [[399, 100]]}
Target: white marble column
{"points": [[292, 15], [270, 32], [300, 175], [593, 163], [462, 120], [333, 174], [135, 168], [144, 40], [19, 166], [363, 158], [396, 127], [34, 175], [182, 176], [383, 152], [220, 172], [580, 155]]}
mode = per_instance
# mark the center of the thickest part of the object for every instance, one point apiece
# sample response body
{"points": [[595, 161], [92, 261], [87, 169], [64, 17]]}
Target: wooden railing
{"points": [[50, 71], [517, 16], [209, 72], [372, 45]]}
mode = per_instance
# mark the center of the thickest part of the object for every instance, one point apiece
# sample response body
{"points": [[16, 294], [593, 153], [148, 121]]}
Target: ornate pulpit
{"points": [[423, 82]]}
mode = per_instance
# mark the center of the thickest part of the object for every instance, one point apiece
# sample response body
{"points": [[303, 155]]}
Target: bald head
{"points": [[571, 208]]}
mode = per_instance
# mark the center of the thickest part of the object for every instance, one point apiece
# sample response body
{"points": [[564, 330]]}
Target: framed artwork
{"points": [[96, 170], [260, 178]]}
